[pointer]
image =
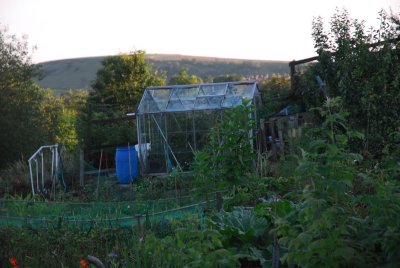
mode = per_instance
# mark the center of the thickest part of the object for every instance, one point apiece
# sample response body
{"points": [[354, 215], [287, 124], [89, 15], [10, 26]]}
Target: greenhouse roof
{"points": [[196, 97]]}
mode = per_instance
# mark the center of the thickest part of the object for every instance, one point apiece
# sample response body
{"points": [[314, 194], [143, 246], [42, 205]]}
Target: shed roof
{"points": [[196, 97]]}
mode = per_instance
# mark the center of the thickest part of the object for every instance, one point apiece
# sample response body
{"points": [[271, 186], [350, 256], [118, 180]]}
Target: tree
{"points": [[277, 83], [118, 88], [66, 112], [228, 78], [275, 93], [362, 67], [16, 68], [22, 119], [122, 80], [183, 78]]}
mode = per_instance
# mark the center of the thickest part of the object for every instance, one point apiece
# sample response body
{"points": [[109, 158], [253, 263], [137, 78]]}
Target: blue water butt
{"points": [[126, 172]]}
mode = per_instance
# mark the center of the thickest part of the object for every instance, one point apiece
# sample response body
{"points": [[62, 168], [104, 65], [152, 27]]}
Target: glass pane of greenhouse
{"points": [[174, 121]]}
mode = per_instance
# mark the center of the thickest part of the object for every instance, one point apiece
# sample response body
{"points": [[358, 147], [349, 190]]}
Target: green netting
{"points": [[99, 214]]}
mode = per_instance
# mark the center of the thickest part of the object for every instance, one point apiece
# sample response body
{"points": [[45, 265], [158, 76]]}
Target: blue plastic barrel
{"points": [[126, 173]]}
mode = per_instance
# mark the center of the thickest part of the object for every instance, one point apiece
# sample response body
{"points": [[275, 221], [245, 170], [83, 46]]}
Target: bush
{"points": [[14, 179]]}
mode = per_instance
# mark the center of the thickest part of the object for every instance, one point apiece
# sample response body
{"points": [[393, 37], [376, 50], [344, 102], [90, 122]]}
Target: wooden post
{"points": [[139, 225], [263, 142], [219, 200], [81, 168], [273, 136], [194, 131], [282, 143], [98, 175], [89, 129], [280, 135], [292, 73]]}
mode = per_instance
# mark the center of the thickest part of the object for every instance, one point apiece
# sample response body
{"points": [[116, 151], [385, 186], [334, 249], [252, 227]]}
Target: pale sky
{"points": [[250, 29]]}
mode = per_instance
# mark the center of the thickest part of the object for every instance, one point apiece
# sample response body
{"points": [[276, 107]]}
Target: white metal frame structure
{"points": [[175, 120], [37, 157]]}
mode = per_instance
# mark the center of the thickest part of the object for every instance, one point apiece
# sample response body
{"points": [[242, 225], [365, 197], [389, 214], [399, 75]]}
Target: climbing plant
{"points": [[227, 157]]}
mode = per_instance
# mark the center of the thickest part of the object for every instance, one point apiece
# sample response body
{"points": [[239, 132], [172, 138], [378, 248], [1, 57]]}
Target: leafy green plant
{"points": [[245, 233], [318, 232], [343, 217], [188, 247], [228, 157]]}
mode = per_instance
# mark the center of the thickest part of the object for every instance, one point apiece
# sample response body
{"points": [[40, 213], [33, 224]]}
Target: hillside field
{"points": [[78, 73]]}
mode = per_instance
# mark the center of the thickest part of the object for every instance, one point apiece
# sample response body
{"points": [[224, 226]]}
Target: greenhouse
{"points": [[173, 121]]}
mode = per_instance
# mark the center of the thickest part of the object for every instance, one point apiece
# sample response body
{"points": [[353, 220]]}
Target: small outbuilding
{"points": [[174, 121]]}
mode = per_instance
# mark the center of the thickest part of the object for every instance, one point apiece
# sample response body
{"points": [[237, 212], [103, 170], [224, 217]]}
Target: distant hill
{"points": [[62, 75]]}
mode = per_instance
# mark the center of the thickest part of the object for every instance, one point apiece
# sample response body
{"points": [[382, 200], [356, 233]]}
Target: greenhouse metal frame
{"points": [[174, 121]]}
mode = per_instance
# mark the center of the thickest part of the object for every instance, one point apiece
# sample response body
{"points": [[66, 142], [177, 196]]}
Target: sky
{"points": [[240, 29]]}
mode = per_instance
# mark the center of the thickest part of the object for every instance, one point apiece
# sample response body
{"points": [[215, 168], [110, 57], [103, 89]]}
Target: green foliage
{"points": [[365, 76], [245, 234], [24, 123], [122, 81], [16, 68], [228, 156], [189, 247], [29, 115], [14, 179], [337, 223], [228, 78], [277, 84], [240, 224], [317, 232], [117, 90], [64, 114], [336, 211], [58, 246], [215, 67], [254, 188], [275, 94], [71, 127], [183, 78]]}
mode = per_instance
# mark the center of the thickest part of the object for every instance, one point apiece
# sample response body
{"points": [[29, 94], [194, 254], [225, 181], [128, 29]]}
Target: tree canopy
{"points": [[363, 68], [23, 121], [184, 78], [122, 80], [117, 90], [16, 68], [228, 78]]}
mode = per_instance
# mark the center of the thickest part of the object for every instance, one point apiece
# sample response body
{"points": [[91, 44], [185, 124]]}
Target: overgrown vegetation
{"points": [[228, 156], [334, 202], [361, 66]]}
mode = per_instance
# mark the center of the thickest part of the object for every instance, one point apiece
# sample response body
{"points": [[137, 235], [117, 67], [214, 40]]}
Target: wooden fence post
{"points": [[273, 137], [281, 141], [219, 200], [81, 168], [263, 143], [139, 225]]}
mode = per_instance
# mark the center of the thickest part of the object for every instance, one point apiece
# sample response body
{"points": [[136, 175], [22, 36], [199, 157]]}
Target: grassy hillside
{"points": [[79, 73]]}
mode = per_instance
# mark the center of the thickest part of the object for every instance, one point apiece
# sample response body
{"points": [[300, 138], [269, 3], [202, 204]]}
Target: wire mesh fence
{"points": [[100, 214]]}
